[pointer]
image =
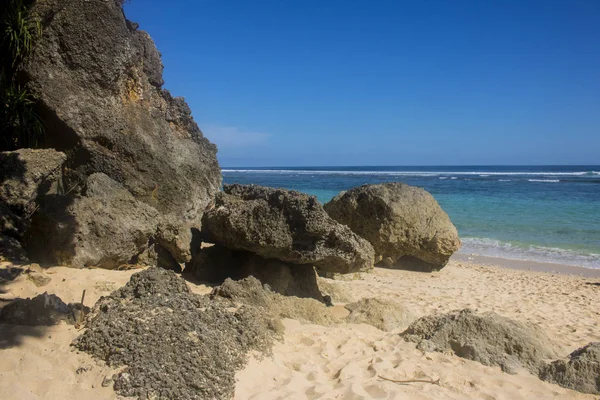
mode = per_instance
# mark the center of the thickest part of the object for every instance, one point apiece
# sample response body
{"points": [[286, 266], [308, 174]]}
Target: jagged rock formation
{"points": [[285, 225], [24, 175], [488, 338], [99, 81], [580, 372], [217, 263], [405, 225]]}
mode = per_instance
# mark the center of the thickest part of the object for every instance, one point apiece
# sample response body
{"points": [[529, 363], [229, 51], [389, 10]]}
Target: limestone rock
{"points": [[580, 372], [405, 225], [39, 279], [99, 81], [105, 227], [24, 175], [487, 338], [216, 263], [285, 225], [336, 292], [251, 292], [382, 314]]}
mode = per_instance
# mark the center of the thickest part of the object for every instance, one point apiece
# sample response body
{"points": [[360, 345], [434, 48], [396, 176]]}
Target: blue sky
{"points": [[435, 82]]}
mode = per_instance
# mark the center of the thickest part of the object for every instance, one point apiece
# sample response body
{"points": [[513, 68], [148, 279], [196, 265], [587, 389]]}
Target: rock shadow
{"points": [[13, 335], [11, 224], [52, 219], [410, 263], [8, 275]]}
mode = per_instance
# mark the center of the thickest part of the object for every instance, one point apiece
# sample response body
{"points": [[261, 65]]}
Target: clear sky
{"points": [[419, 82]]}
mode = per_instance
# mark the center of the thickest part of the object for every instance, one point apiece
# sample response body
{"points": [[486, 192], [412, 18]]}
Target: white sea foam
{"points": [[496, 248], [410, 173], [504, 180], [544, 180]]}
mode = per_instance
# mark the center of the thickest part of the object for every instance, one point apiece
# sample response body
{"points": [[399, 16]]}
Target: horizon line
{"points": [[411, 166]]}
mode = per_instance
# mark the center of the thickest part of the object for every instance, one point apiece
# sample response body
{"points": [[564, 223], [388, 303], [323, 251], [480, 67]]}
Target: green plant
{"points": [[20, 126], [19, 31]]}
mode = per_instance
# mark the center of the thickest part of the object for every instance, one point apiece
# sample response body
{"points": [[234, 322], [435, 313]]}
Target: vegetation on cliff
{"points": [[20, 126]]}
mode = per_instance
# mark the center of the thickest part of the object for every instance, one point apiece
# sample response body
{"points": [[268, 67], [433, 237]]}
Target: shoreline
{"points": [[527, 265]]}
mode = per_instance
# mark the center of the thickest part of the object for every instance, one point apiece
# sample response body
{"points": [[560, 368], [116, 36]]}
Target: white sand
{"points": [[340, 362]]}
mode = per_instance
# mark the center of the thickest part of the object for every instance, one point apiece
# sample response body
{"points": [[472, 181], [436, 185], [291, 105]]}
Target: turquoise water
{"points": [[541, 213]]}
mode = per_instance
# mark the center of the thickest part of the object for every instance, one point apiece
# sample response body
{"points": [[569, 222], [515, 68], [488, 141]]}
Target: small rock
{"points": [[107, 381], [34, 268], [382, 314], [39, 279], [81, 370]]}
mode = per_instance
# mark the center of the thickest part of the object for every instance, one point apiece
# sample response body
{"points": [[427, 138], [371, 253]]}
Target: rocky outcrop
{"points": [[285, 225], [405, 225], [216, 263], [104, 227], [487, 338], [580, 372], [98, 79], [24, 175]]}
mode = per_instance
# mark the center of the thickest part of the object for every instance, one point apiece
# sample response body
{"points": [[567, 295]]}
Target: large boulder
{"points": [[285, 225], [24, 175], [217, 263], [488, 338], [105, 227], [405, 225], [581, 371], [98, 80]]}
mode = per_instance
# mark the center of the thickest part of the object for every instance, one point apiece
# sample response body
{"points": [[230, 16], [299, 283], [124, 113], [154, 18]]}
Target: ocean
{"points": [[539, 213]]}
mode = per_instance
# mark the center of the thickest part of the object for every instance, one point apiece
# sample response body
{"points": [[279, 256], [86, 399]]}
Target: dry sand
{"points": [[345, 361]]}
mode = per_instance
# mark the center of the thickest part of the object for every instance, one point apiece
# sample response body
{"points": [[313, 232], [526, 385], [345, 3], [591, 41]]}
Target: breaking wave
{"points": [[516, 251]]}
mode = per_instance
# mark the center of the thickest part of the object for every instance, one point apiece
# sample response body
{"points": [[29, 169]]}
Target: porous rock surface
{"points": [[285, 225], [382, 314], [581, 371], [217, 263], [103, 227], [405, 225], [487, 338], [24, 174], [98, 79], [250, 291], [174, 344]]}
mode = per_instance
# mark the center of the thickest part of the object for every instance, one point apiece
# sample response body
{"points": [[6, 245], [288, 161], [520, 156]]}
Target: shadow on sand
{"points": [[13, 335]]}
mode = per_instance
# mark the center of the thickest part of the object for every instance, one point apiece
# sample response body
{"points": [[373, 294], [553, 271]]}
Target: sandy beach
{"points": [[345, 361]]}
